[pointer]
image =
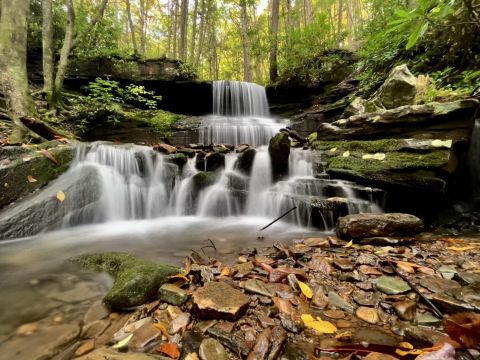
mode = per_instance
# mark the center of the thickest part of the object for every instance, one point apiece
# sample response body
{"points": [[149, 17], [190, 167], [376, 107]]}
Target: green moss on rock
{"points": [[136, 280], [279, 150], [203, 179]]}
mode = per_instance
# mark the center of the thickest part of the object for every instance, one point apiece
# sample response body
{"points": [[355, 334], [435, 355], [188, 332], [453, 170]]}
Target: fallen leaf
{"points": [[405, 266], [333, 149], [379, 156], [305, 289], [346, 154], [445, 352], [169, 349], [319, 325], [123, 343], [162, 327], [61, 196], [61, 139], [461, 248], [31, 179], [192, 356], [48, 155], [226, 271], [349, 244], [463, 328]]}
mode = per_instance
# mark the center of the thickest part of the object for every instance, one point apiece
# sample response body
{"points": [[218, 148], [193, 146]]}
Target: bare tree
{"points": [[274, 41], [247, 66], [132, 27], [183, 30]]}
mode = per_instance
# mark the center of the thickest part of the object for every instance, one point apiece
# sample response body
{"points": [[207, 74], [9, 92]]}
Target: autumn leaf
{"points": [[349, 244], [31, 179], [305, 289], [49, 156], [463, 328], [169, 349], [319, 325], [61, 196], [123, 343], [406, 266], [461, 248]]}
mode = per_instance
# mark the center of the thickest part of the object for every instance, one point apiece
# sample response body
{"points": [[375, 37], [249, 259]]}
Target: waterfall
{"points": [[236, 98], [240, 115], [108, 183]]}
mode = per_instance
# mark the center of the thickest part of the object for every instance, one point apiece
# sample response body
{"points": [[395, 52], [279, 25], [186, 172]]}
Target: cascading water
{"points": [[240, 115]]}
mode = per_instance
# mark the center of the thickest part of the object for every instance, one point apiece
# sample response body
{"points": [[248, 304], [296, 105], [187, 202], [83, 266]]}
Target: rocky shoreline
{"points": [[393, 292]]}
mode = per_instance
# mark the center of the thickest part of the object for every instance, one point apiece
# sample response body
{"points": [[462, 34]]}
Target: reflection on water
{"points": [[42, 282]]}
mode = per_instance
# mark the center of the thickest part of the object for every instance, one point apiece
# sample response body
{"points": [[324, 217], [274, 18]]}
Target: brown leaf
{"points": [[49, 156], [31, 179], [283, 305], [369, 270], [169, 349], [463, 328]]}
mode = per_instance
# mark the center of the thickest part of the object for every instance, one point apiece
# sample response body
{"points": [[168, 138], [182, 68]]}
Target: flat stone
{"points": [[466, 278], [190, 343], [85, 348], [97, 311], [95, 328], [343, 264], [260, 349], [179, 323], [220, 300], [277, 340], [259, 287], [427, 319], [469, 294], [278, 274], [233, 342], [144, 335], [172, 294], [450, 304], [81, 292], [297, 351], [366, 298], [211, 349], [426, 337], [367, 314], [447, 271], [340, 303], [391, 285], [244, 269], [438, 285], [386, 241], [111, 354], [334, 314], [406, 310], [320, 300], [292, 323]]}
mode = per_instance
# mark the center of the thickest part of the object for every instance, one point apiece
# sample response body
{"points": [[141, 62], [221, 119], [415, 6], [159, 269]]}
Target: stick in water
{"points": [[281, 216]]}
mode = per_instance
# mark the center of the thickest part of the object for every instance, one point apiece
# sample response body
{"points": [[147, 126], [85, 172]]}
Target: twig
{"points": [[435, 310], [281, 216]]}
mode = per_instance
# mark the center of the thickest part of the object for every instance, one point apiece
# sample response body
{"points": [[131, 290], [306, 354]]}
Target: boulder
{"points": [[279, 150], [179, 159], [203, 179], [136, 281], [400, 88], [218, 300], [24, 170], [245, 160], [356, 107], [165, 148], [214, 161], [367, 225]]}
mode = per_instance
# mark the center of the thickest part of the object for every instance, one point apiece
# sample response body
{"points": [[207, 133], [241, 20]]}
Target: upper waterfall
{"points": [[237, 98]]}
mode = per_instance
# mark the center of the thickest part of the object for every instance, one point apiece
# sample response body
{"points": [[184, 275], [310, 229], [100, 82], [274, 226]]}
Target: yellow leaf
{"points": [[226, 271], [333, 149], [460, 248], [406, 345], [123, 343], [31, 179], [367, 156], [324, 327], [406, 266], [379, 156], [305, 289], [162, 327], [61, 196], [409, 352], [346, 154], [349, 244], [180, 276]]}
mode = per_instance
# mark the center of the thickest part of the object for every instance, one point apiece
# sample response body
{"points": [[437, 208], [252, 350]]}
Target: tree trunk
{"points": [[205, 9], [142, 34], [274, 41], [47, 49], [339, 22], [247, 66], [194, 32], [132, 28], [64, 54], [13, 67], [183, 30], [175, 28]]}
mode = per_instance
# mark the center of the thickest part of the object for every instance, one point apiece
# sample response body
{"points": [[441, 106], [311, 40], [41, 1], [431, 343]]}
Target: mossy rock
{"points": [[203, 179], [178, 159], [19, 165], [136, 281], [279, 150]]}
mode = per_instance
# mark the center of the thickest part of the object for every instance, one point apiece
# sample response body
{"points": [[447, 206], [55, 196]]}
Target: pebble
{"points": [[172, 294], [339, 302], [85, 348], [405, 310], [259, 287], [391, 285], [211, 349], [368, 315]]}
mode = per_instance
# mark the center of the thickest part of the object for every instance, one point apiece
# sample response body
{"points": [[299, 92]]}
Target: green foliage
{"points": [[159, 120]]}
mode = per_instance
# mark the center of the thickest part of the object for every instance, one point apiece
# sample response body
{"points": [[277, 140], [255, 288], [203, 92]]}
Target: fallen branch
{"points": [[281, 216]]}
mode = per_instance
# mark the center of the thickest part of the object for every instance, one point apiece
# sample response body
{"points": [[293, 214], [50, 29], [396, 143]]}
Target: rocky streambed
{"points": [[384, 290]]}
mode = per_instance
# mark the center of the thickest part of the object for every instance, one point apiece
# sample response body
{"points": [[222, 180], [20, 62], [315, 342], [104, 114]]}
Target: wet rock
{"points": [[277, 340], [260, 349], [172, 294], [81, 292], [368, 315], [201, 180], [279, 150], [291, 323], [214, 161], [436, 284], [97, 311], [211, 349], [241, 148], [364, 298], [400, 88], [111, 354], [280, 273], [386, 241], [369, 270], [339, 302], [178, 159], [297, 351], [233, 342], [220, 300], [259, 287], [469, 294], [320, 300], [334, 314], [343, 264], [466, 278], [364, 225], [144, 335], [165, 148], [450, 304], [374, 336], [245, 160], [448, 272], [424, 336], [179, 323], [405, 310], [190, 343], [244, 269], [392, 285], [95, 328], [136, 280], [427, 319], [85, 348], [356, 107]]}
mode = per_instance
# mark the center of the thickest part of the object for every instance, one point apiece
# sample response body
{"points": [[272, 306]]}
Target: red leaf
{"points": [[169, 349]]}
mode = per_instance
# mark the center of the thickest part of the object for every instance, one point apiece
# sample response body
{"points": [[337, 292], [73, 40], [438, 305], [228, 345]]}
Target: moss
{"points": [[203, 179], [366, 147], [160, 121], [136, 280]]}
